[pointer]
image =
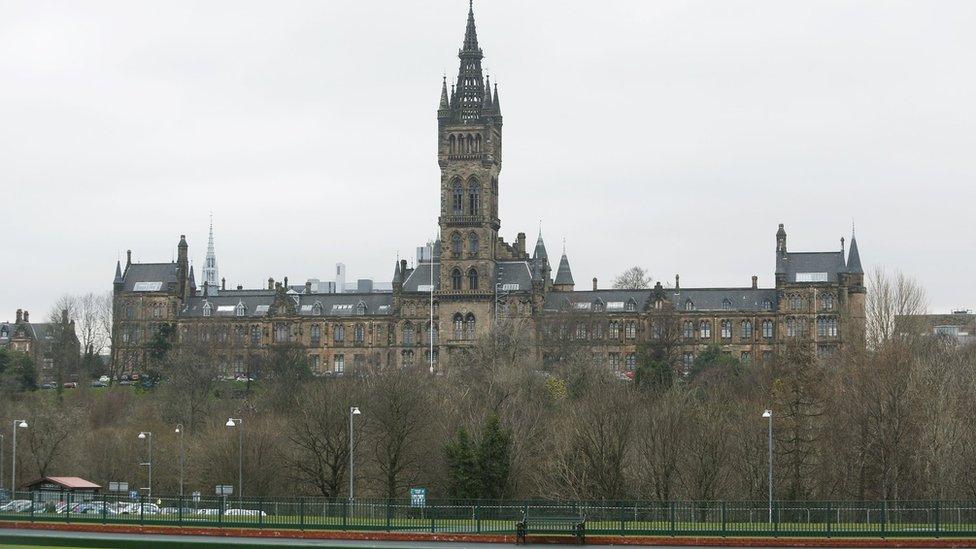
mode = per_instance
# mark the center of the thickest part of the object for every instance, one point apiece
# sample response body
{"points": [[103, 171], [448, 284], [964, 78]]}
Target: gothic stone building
{"points": [[471, 277], [40, 341]]}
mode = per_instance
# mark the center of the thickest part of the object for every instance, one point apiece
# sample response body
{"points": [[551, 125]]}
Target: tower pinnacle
{"points": [[210, 278]]}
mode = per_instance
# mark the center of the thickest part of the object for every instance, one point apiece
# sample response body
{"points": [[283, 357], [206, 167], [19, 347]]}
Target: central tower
{"points": [[469, 153]]}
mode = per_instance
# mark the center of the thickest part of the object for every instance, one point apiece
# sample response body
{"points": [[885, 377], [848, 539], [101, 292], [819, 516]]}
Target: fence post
{"points": [[260, 513], [345, 514], [884, 517], [623, 517], [477, 518], [432, 510], [142, 509], [776, 519], [724, 518], [389, 513], [829, 519], [32, 506], [938, 521], [301, 514], [671, 518], [67, 509], [104, 509]]}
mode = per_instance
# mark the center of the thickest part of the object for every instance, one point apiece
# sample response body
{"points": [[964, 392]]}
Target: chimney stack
{"points": [[271, 285], [223, 283], [240, 286], [755, 282], [594, 283], [520, 244], [677, 282], [20, 315], [403, 266], [128, 258], [26, 316], [308, 286], [64, 316], [286, 283]]}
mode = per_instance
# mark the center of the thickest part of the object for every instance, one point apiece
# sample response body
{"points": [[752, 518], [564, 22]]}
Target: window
{"points": [[790, 327], [316, 333], [631, 329], [338, 364], [581, 330], [361, 308], [408, 334], [744, 357], [255, 335], [631, 362], [687, 360], [407, 359], [313, 361], [473, 244], [222, 334], [281, 333], [746, 329], [767, 329], [614, 329], [726, 304], [726, 329], [811, 277], [689, 330], [456, 279], [339, 333], [207, 309], [240, 310], [456, 245], [689, 305], [359, 334], [827, 326], [157, 311], [827, 302], [474, 197], [238, 365], [598, 306], [767, 356], [767, 305], [458, 326], [458, 198], [317, 309], [705, 329], [469, 326], [435, 335], [796, 302], [656, 329], [615, 361], [472, 279], [631, 306]]}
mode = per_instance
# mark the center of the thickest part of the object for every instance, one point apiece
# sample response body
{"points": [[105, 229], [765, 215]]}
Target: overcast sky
{"points": [[673, 135]]}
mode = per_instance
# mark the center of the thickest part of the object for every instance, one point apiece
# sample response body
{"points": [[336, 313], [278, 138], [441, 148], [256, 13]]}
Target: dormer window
{"points": [[361, 308], [767, 305], [689, 305], [240, 310], [207, 309], [631, 306], [726, 304], [598, 306], [317, 308]]}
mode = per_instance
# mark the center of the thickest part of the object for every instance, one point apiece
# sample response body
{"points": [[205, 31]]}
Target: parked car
{"points": [[70, 385], [208, 512], [244, 513], [98, 383], [139, 508], [15, 506], [104, 379], [176, 511], [48, 385]]}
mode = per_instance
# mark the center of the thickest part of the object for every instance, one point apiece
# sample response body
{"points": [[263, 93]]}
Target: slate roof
{"points": [[420, 276], [258, 302], [540, 249], [561, 301], [151, 272], [791, 263], [564, 275], [854, 259], [704, 299], [507, 272]]}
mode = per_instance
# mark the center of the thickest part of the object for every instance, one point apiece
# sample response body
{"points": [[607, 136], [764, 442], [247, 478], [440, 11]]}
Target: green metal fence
{"points": [[727, 519]]}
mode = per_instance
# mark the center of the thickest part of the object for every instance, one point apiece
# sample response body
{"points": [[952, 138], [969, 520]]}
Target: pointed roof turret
{"points": [[854, 258], [397, 274], [497, 106], [469, 90], [536, 270], [564, 276], [445, 104], [118, 272], [210, 277], [471, 33], [192, 282], [540, 249]]}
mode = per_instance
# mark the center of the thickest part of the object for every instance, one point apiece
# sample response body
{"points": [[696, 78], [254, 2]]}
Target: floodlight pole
{"points": [[768, 414], [179, 430], [237, 422], [1, 463], [17, 423], [148, 437], [353, 411]]}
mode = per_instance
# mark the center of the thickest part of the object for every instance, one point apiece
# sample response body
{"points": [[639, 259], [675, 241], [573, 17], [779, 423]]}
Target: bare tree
{"points": [[634, 278], [892, 300]]}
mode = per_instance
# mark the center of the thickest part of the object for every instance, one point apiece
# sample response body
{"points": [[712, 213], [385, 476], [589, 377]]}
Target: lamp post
{"points": [[179, 431], [17, 424], [768, 414], [147, 436], [1, 463], [236, 422], [353, 411]]}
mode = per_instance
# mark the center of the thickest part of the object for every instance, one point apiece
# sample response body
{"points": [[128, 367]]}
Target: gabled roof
{"points": [[259, 303], [164, 273], [713, 299], [71, 483], [792, 263], [419, 278]]}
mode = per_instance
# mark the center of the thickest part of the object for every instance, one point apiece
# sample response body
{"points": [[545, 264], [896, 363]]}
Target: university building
{"points": [[470, 278]]}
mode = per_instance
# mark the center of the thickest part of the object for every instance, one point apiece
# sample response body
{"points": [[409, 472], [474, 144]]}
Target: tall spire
{"points": [[210, 277], [445, 104], [470, 33], [853, 257], [470, 85], [118, 271]]}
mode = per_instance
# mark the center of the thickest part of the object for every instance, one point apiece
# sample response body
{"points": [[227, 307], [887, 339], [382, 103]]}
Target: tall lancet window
{"points": [[474, 197], [458, 198]]}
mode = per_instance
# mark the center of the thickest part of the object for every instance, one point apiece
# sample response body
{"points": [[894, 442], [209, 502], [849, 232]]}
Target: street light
{"points": [[768, 414], [17, 424], [236, 422], [147, 436], [1, 462], [353, 411], [179, 431]]}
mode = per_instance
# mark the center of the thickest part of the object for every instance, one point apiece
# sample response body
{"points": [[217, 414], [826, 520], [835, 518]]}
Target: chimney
{"points": [[271, 285], [594, 283], [308, 287], [677, 282], [403, 266], [20, 315], [223, 283], [286, 283], [26, 316], [755, 282], [240, 286], [520, 240], [64, 316], [128, 258]]}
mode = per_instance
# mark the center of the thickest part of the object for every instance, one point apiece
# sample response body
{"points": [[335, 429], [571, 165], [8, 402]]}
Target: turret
{"points": [[183, 266], [564, 276], [118, 283]]}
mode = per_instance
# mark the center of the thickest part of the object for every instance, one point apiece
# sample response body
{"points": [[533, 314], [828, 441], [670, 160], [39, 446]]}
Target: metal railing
{"points": [[626, 518]]}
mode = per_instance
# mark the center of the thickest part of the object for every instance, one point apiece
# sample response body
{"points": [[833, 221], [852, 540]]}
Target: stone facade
{"points": [[471, 277], [40, 341]]}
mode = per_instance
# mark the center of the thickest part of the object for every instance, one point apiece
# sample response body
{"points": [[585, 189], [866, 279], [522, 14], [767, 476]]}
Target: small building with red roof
{"points": [[57, 488]]}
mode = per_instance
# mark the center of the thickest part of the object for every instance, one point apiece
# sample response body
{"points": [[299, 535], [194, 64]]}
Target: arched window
{"points": [[458, 326], [474, 197], [790, 327], [469, 326], [456, 244], [631, 306], [359, 333], [457, 198], [767, 329], [452, 143], [746, 329], [361, 308], [473, 244], [726, 304], [688, 330], [339, 333], [456, 279], [435, 334], [461, 144], [477, 143], [705, 329], [598, 306], [689, 305], [796, 302], [317, 309], [630, 329], [241, 310], [827, 301], [614, 329], [207, 309], [472, 279], [281, 333], [408, 334]]}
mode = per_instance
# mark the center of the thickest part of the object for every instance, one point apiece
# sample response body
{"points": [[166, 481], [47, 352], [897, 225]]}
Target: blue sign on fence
{"points": [[418, 497], [133, 494]]}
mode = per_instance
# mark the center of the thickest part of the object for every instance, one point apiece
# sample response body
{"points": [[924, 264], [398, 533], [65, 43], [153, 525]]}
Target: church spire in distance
{"points": [[210, 264]]}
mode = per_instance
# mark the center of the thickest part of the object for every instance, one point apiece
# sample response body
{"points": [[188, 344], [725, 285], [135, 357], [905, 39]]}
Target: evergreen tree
{"points": [[494, 459], [462, 465]]}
